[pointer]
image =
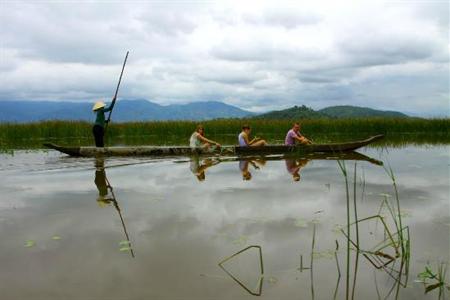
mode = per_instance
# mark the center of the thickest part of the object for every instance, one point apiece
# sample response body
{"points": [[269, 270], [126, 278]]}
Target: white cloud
{"points": [[257, 55]]}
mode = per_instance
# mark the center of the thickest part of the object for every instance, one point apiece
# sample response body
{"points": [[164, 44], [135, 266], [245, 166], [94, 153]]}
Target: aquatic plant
{"points": [[397, 131], [435, 280]]}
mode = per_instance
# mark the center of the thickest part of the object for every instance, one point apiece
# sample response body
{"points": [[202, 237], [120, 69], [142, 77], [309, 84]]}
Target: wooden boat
{"points": [[225, 150]]}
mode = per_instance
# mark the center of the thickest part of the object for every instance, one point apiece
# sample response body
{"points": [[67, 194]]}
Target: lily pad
{"points": [[301, 223], [242, 240], [29, 243], [385, 195]]}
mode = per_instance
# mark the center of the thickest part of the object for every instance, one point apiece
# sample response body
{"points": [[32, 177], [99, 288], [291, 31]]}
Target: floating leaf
{"points": [[272, 280], [123, 243], [337, 228], [56, 237], [241, 240], [301, 223], [385, 195], [324, 254], [405, 213], [123, 249], [433, 286], [30, 243]]}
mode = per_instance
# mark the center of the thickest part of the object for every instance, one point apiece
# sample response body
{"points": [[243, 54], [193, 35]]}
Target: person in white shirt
{"points": [[198, 139]]}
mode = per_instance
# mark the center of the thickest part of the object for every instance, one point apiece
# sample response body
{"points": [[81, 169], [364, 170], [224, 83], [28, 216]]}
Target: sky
{"points": [[257, 55]]}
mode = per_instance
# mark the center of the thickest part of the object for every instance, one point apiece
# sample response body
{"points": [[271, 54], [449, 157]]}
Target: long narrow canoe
{"points": [[225, 150]]}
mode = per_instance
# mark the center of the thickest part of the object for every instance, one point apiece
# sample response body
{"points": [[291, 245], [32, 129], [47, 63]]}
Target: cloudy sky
{"points": [[256, 55]]}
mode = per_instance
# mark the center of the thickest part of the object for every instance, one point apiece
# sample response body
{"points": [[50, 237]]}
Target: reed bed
{"points": [[79, 132]]}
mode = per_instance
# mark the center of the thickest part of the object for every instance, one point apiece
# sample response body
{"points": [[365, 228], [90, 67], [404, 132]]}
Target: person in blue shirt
{"points": [[99, 126]]}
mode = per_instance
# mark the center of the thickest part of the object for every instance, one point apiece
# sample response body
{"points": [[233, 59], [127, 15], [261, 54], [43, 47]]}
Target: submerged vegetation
{"points": [[397, 130], [386, 248]]}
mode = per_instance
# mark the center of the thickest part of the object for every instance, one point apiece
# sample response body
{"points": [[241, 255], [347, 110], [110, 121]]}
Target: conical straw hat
{"points": [[98, 105]]}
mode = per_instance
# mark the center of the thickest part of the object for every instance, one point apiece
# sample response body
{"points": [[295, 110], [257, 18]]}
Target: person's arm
{"points": [[111, 106], [205, 140], [253, 164], [302, 139], [255, 139]]}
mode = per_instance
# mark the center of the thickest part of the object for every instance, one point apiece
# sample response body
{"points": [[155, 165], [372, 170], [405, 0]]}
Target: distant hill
{"points": [[143, 110], [347, 111], [125, 110], [296, 112]]}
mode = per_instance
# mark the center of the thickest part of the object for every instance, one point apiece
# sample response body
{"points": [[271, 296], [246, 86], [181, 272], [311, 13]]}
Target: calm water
{"points": [[174, 220]]}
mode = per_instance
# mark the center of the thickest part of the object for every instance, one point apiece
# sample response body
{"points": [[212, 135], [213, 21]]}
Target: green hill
{"points": [[293, 113], [348, 111], [334, 112]]}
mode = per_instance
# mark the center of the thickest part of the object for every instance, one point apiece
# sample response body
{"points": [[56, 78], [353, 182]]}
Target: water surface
{"points": [[174, 220]]}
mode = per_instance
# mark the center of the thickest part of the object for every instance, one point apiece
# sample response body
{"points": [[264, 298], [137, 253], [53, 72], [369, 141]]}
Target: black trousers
{"points": [[98, 132]]}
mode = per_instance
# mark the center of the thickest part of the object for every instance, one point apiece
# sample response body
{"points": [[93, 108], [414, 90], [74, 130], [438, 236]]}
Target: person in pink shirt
{"points": [[294, 135]]}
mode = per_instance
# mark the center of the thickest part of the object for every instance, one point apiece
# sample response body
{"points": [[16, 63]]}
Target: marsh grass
{"points": [[435, 280], [397, 131], [396, 237]]}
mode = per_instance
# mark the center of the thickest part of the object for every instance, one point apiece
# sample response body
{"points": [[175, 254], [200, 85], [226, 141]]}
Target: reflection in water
{"points": [[198, 167], [294, 162], [106, 196], [389, 250], [293, 166], [244, 164], [184, 233], [259, 284]]}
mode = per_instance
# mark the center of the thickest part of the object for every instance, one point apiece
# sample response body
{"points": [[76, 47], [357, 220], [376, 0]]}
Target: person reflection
{"points": [[198, 167], [293, 166], [106, 195], [104, 198], [244, 165]]}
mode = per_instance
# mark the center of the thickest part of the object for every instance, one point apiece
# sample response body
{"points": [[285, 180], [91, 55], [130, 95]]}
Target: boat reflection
{"points": [[294, 162], [106, 197]]}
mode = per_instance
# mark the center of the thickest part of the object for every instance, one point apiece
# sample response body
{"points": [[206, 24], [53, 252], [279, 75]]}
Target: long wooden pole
{"points": [[116, 205], [117, 91]]}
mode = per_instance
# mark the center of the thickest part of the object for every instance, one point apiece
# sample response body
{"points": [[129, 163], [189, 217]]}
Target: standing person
{"points": [[244, 140], [99, 126], [198, 139], [294, 135]]}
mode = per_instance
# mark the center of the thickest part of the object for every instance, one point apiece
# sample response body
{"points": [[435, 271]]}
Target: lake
{"points": [[224, 228]]}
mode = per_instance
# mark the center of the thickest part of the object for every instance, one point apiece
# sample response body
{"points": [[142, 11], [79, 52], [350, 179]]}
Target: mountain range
{"points": [[124, 111], [143, 110]]}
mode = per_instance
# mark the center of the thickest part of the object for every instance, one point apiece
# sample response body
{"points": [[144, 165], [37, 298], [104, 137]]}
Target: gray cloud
{"points": [[284, 17], [268, 56]]}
